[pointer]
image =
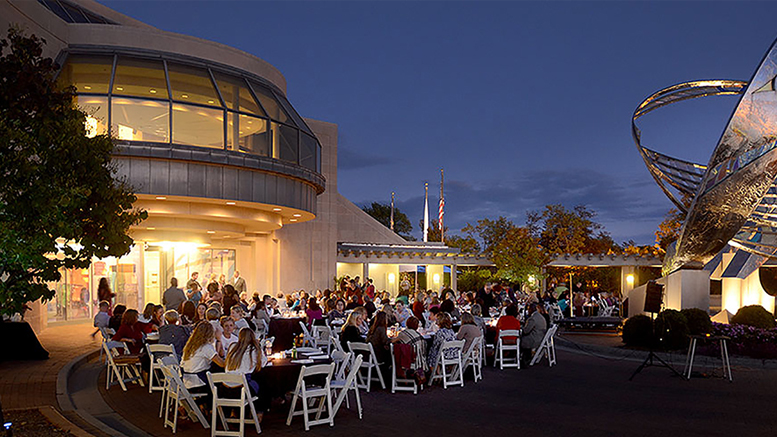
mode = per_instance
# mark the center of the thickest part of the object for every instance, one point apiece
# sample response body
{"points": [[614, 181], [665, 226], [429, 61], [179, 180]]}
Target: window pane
{"points": [[251, 133], [198, 126], [236, 94], [136, 77], [140, 120], [189, 84], [96, 108], [267, 99], [290, 110], [307, 150], [89, 74], [285, 142]]}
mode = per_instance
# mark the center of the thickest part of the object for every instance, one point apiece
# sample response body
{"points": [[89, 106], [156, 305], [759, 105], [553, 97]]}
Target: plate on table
{"points": [[308, 361], [318, 357], [306, 349]]}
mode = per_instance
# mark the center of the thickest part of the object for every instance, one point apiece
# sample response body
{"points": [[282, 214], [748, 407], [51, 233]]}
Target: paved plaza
{"points": [[584, 395]]}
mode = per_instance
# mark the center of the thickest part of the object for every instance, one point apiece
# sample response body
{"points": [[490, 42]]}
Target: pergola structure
{"points": [[382, 262], [627, 264]]}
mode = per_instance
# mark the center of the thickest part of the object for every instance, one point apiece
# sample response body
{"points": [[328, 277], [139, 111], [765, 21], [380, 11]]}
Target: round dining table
{"points": [[284, 329]]}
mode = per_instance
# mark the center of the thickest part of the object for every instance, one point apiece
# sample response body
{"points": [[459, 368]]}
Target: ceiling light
{"points": [[297, 215], [161, 198], [87, 87], [277, 209], [120, 88], [211, 232], [211, 102], [185, 96], [150, 229], [293, 220], [230, 203], [152, 91]]}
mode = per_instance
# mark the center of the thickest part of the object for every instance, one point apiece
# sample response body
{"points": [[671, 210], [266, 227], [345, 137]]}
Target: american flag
{"points": [[441, 212]]}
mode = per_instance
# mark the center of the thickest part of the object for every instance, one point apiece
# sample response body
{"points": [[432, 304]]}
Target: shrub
{"points": [[698, 321], [754, 315], [637, 331], [672, 330]]}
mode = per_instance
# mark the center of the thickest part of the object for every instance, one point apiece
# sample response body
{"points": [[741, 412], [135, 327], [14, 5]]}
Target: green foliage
{"points": [[672, 330], [433, 233], [754, 315], [488, 232], [60, 204], [474, 280], [698, 321], [382, 213], [638, 331], [561, 230], [466, 244]]}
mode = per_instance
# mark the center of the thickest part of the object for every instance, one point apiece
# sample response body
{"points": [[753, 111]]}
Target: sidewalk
{"points": [[27, 384]]}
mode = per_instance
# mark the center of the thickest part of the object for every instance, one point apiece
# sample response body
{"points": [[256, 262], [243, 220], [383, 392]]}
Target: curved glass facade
{"points": [[166, 101]]}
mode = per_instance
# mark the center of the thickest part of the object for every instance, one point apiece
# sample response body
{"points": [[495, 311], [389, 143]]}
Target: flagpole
{"points": [[426, 212], [442, 208], [392, 211]]}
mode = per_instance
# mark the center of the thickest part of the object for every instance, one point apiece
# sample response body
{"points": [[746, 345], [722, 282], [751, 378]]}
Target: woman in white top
{"points": [[245, 357], [227, 337], [198, 355]]}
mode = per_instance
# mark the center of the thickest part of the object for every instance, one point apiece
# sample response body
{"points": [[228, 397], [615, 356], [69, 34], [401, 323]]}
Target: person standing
{"points": [[173, 296], [104, 293], [239, 283], [193, 282]]}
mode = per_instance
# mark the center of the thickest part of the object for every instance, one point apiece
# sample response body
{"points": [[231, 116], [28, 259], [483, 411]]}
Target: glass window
{"points": [[141, 78], [248, 134], [307, 152], [285, 143], [198, 126], [189, 84], [96, 108], [140, 120], [236, 94], [269, 103], [89, 74], [290, 110]]}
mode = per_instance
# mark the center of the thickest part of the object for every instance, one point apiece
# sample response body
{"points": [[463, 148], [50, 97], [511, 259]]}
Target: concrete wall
{"points": [[380, 275]]}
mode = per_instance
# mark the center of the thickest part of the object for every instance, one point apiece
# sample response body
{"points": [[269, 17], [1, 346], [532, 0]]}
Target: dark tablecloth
{"points": [[19, 342], [280, 378], [284, 331]]}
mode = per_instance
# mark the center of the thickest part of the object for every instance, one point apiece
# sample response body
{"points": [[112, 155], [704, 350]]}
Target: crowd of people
{"points": [[220, 329]]}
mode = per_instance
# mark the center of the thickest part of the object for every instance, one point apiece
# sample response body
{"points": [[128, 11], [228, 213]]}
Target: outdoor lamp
{"points": [[630, 279], [436, 278], [391, 278]]}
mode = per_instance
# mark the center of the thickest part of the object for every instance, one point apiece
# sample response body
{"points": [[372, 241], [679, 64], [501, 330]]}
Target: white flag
{"points": [[426, 214]]}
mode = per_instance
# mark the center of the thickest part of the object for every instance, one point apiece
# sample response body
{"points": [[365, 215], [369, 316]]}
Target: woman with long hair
{"points": [[104, 293], [130, 331], [198, 355], [378, 337], [245, 357], [351, 329], [200, 313], [188, 313], [313, 312]]}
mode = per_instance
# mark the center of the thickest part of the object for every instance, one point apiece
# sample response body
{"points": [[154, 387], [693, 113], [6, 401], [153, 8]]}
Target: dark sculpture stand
{"points": [[649, 361], [19, 342]]}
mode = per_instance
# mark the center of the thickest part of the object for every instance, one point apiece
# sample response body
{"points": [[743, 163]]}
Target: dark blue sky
{"points": [[523, 103]]}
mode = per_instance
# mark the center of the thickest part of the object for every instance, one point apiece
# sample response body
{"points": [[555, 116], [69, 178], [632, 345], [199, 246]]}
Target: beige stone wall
{"points": [[35, 19]]}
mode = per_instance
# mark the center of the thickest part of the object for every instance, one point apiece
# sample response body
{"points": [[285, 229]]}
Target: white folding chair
{"points": [[454, 376], [220, 402], [547, 348], [307, 337], [503, 346], [172, 362], [347, 385], [401, 384], [555, 312], [474, 357], [177, 395], [156, 351], [369, 363], [106, 335], [321, 334], [308, 394], [121, 367]]}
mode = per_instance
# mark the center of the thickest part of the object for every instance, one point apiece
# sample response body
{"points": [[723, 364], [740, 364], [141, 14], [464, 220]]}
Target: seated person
{"points": [[313, 312], [378, 338], [352, 328], [244, 358], [198, 356], [443, 334], [102, 319], [533, 333], [227, 336], [508, 322], [401, 312], [130, 331], [468, 332], [337, 314], [449, 307], [411, 336], [238, 317], [118, 312], [476, 314], [212, 316], [173, 333]]}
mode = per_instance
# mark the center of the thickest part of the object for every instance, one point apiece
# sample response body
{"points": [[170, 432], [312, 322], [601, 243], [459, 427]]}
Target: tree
{"points": [[487, 233], [465, 244], [60, 203], [516, 253], [669, 229], [382, 213], [433, 234], [561, 230]]}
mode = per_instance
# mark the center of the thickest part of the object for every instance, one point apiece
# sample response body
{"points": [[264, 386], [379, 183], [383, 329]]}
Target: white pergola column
{"points": [[365, 271], [454, 281]]}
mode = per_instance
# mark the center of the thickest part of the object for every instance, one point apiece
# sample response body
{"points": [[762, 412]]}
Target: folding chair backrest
{"points": [[509, 333], [452, 345], [342, 362], [167, 361], [474, 347], [304, 329], [229, 379], [160, 350], [366, 348], [114, 347], [320, 369]]}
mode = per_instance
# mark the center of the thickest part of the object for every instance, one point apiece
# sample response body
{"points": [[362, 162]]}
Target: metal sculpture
{"points": [[733, 199]]}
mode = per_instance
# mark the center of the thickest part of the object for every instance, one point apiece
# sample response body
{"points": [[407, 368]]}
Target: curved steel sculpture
{"points": [[733, 197]]}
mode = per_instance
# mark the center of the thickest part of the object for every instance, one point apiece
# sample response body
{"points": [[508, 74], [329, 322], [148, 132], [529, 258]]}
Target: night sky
{"points": [[523, 103]]}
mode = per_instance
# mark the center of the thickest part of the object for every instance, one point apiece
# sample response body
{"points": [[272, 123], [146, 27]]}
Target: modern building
{"points": [[232, 177]]}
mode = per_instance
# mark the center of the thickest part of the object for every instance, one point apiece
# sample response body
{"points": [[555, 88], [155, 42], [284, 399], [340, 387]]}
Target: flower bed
{"points": [[745, 340]]}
